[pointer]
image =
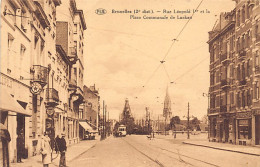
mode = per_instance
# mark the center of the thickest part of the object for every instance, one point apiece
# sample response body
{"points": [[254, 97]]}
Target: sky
{"points": [[122, 55]]}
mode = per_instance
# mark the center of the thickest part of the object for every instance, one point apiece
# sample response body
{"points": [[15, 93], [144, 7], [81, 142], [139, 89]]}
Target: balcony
{"points": [[224, 84], [73, 82], [73, 54], [223, 108], [242, 54], [223, 57], [242, 82], [52, 96], [257, 38], [40, 74]]}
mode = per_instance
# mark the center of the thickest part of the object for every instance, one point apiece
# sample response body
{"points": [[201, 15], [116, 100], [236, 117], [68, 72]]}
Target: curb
{"points": [[222, 149]]}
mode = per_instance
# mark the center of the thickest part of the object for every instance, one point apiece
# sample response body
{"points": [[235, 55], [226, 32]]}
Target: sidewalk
{"points": [[249, 150], [73, 151], [202, 141]]}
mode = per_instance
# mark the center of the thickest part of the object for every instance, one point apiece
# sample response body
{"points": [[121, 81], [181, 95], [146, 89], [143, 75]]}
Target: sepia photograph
{"points": [[130, 83]]}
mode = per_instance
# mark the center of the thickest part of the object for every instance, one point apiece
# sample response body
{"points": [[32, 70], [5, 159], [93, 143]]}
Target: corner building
{"points": [[234, 87]]}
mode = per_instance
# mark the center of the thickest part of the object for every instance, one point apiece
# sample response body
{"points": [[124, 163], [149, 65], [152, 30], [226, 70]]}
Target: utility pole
{"points": [[188, 118], [103, 129], [105, 121], [165, 126], [158, 125]]}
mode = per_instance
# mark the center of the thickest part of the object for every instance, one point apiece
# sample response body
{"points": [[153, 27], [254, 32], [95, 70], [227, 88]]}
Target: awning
{"points": [[87, 127], [8, 103]]}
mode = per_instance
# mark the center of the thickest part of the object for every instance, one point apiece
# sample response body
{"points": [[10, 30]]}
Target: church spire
{"points": [[167, 105]]}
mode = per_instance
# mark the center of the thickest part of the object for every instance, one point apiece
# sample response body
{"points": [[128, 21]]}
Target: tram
{"points": [[121, 131]]}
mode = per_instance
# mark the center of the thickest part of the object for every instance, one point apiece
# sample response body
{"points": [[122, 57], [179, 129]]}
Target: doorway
{"points": [[257, 130]]}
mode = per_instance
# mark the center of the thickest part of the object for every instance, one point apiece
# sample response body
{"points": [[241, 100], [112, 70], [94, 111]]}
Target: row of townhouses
{"points": [[42, 71], [234, 46]]}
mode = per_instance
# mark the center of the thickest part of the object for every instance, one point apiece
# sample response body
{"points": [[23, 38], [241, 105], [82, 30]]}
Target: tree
{"points": [[195, 122], [175, 120], [205, 119]]}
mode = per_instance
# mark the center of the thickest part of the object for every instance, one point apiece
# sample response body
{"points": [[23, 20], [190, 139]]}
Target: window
{"points": [[256, 90], [10, 40], [238, 44], [257, 58], [244, 129], [243, 98], [238, 100], [238, 17], [23, 21], [232, 98], [248, 98], [243, 14], [75, 29], [248, 68]]}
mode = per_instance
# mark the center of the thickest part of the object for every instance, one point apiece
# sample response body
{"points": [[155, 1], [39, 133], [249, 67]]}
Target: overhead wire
{"points": [[174, 40], [181, 31]]}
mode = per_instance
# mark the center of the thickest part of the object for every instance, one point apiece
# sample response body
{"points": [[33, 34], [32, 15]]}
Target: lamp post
{"points": [[208, 96]]}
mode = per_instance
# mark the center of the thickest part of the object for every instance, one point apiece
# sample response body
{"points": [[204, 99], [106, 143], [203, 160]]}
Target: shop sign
{"points": [[243, 122], [256, 112], [244, 115], [50, 111], [6, 81], [36, 88]]}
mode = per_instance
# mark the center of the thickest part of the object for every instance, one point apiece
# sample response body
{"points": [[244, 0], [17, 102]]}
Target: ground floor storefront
{"points": [[242, 128]]}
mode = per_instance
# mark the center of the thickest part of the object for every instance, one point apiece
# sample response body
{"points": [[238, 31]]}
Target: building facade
{"points": [[234, 88], [70, 35], [41, 77]]}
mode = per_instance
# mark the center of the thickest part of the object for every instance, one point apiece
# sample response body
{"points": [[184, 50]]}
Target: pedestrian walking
{"points": [[57, 141], [20, 146], [46, 150], [63, 148]]}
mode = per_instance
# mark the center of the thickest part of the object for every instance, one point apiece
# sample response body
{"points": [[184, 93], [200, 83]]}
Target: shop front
{"points": [[244, 128], [13, 116]]}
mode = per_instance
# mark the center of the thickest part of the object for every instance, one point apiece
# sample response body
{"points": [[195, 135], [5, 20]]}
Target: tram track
{"points": [[141, 152], [171, 154]]}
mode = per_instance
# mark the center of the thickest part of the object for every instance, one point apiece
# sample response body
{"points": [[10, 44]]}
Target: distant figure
{"points": [[20, 146], [57, 141], [5, 139], [63, 148], [46, 150]]}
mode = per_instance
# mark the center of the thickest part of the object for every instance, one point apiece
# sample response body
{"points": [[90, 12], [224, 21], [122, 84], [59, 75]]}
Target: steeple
{"points": [[167, 106]]}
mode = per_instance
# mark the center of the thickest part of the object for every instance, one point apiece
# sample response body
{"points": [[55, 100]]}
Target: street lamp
{"points": [[208, 96]]}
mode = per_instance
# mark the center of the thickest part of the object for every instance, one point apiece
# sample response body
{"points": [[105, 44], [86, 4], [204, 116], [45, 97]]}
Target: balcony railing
{"points": [[73, 82], [40, 74], [242, 53], [73, 52], [52, 96], [223, 108], [224, 84], [223, 57], [242, 82], [257, 69]]}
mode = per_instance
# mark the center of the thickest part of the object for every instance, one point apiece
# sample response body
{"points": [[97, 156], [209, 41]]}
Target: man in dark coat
{"points": [[57, 141], [20, 146], [63, 148]]}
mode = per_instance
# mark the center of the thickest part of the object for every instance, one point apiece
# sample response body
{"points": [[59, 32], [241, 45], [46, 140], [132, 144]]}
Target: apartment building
{"points": [[234, 88]]}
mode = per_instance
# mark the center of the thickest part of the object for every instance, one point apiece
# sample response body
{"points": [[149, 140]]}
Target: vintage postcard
{"points": [[122, 83]]}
